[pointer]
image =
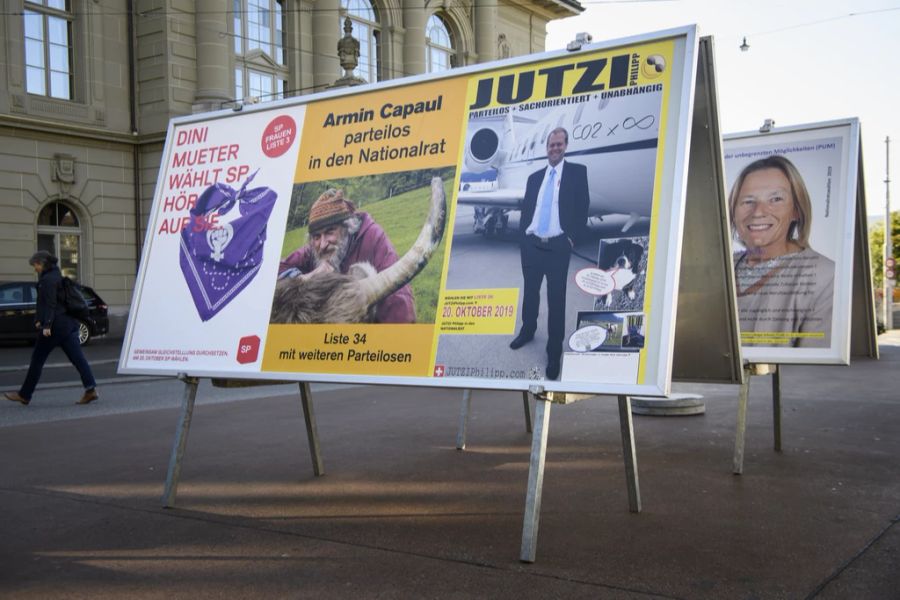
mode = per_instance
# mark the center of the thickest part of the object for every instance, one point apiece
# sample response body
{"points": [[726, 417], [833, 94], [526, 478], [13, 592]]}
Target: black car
{"points": [[17, 307]]}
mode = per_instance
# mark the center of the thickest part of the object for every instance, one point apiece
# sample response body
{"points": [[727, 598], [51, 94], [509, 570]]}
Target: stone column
{"points": [[486, 30], [414, 39], [326, 26], [213, 52]]}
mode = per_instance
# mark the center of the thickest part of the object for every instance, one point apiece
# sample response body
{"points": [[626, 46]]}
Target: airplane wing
{"points": [[502, 198]]}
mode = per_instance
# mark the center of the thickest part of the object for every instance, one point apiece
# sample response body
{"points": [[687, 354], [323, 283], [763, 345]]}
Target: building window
{"points": [[259, 43], [59, 232], [440, 45], [48, 48], [258, 86], [367, 31]]}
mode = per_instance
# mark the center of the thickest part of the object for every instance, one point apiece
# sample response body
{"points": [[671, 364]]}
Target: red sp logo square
{"points": [[248, 349]]}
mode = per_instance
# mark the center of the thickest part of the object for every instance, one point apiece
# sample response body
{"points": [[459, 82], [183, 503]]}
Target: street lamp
{"points": [[889, 266]]}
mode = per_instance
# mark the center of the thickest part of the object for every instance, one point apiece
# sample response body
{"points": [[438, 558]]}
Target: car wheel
{"points": [[84, 333]]}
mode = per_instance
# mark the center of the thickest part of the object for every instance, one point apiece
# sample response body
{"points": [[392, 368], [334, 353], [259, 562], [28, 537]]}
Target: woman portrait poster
{"points": [[785, 288], [791, 213]]}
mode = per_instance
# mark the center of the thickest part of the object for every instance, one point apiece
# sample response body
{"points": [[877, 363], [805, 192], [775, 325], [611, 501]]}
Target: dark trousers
{"points": [[548, 260], [64, 335]]}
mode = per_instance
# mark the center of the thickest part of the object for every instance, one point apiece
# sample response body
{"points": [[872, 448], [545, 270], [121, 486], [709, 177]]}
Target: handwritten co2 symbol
{"points": [[590, 131], [643, 123]]}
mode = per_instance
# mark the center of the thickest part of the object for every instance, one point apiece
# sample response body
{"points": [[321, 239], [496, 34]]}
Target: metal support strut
{"points": [[776, 407], [535, 477], [312, 433], [738, 462], [181, 435], [626, 424], [744, 399], [543, 402]]}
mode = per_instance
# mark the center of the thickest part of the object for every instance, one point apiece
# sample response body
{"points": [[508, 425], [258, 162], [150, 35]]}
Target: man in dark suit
{"points": [[554, 215]]}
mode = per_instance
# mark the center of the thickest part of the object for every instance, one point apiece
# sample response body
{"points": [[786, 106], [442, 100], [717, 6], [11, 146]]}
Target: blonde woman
{"points": [[785, 288]]}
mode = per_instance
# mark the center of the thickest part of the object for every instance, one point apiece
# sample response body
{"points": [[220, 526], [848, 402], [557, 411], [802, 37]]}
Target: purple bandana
{"points": [[218, 263]]}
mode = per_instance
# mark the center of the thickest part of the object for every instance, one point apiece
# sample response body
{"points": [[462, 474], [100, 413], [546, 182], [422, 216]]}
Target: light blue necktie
{"points": [[543, 227]]}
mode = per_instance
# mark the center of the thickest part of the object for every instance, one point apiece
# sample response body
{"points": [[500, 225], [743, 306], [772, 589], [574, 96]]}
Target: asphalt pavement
{"points": [[400, 513]]}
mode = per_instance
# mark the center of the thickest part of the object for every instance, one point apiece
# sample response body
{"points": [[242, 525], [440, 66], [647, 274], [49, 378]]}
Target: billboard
{"points": [[497, 226], [793, 195]]}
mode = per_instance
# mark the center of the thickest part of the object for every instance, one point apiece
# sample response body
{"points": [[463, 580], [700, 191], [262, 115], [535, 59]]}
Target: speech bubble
{"points": [[587, 338], [595, 281]]}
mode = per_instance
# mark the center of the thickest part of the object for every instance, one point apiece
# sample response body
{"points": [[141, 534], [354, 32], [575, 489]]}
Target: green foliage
{"points": [[293, 239], [876, 248], [361, 190], [400, 214], [402, 218]]}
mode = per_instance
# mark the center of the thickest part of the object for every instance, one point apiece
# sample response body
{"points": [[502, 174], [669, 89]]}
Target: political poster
{"points": [[792, 195], [497, 226]]}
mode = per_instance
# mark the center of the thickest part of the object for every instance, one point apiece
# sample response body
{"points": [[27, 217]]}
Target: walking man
{"points": [[55, 328]]}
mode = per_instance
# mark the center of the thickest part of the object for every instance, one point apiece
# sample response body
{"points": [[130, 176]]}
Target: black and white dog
{"points": [[621, 260]]}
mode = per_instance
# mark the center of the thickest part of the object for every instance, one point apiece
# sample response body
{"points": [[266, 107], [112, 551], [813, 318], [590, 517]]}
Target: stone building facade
{"points": [[87, 88]]}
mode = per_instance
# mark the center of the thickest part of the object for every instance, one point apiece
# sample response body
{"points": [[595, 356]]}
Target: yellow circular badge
{"points": [[653, 66]]}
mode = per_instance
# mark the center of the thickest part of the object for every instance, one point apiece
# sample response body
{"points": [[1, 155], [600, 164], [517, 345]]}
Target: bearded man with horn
{"points": [[340, 237]]}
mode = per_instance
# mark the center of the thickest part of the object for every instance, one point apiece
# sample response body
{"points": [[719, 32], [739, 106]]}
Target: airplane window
{"points": [[578, 113], [544, 135], [484, 144]]}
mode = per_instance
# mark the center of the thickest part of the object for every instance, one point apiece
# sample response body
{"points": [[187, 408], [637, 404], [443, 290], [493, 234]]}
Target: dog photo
{"points": [[625, 260]]}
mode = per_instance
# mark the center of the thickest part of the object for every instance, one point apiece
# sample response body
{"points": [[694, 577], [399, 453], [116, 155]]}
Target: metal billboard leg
{"points": [[181, 435], [776, 407], [529, 417], [535, 479], [312, 433], [738, 463], [631, 473], [464, 410]]}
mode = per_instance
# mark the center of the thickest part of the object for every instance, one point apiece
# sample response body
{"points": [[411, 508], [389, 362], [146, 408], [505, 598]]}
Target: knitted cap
{"points": [[43, 257], [330, 208]]}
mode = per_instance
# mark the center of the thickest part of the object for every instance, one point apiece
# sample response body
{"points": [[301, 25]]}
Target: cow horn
{"points": [[377, 288]]}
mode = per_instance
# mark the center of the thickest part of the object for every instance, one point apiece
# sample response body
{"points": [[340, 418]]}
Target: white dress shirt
{"points": [[555, 228]]}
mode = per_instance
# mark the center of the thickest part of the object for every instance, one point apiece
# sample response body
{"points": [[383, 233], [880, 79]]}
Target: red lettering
{"points": [[173, 225]]}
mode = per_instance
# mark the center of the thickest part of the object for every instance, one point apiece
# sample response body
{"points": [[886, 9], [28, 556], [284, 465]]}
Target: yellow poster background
{"points": [[350, 349], [401, 129]]}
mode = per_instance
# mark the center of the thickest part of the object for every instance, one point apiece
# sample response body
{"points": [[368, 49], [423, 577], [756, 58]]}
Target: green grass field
{"points": [[401, 217]]}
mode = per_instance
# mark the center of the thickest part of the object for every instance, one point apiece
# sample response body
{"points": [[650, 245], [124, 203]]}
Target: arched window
{"points": [[59, 232], [440, 45], [367, 30], [259, 47]]}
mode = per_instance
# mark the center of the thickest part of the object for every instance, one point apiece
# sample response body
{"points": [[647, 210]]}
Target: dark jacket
{"points": [[574, 200], [50, 311]]}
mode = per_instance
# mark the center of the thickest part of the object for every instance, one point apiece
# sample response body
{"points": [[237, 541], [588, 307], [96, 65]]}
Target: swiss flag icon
{"points": [[248, 349], [439, 370]]}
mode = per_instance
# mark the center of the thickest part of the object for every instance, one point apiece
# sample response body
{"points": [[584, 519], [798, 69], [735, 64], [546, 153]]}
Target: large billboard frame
{"points": [[826, 156], [670, 182]]}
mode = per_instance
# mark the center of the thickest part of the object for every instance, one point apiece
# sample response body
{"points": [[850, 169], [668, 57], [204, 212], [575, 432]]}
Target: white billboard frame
{"points": [[672, 181], [801, 143]]}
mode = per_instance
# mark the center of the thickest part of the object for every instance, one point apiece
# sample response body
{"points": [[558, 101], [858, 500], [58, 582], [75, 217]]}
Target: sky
{"points": [[809, 61]]}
